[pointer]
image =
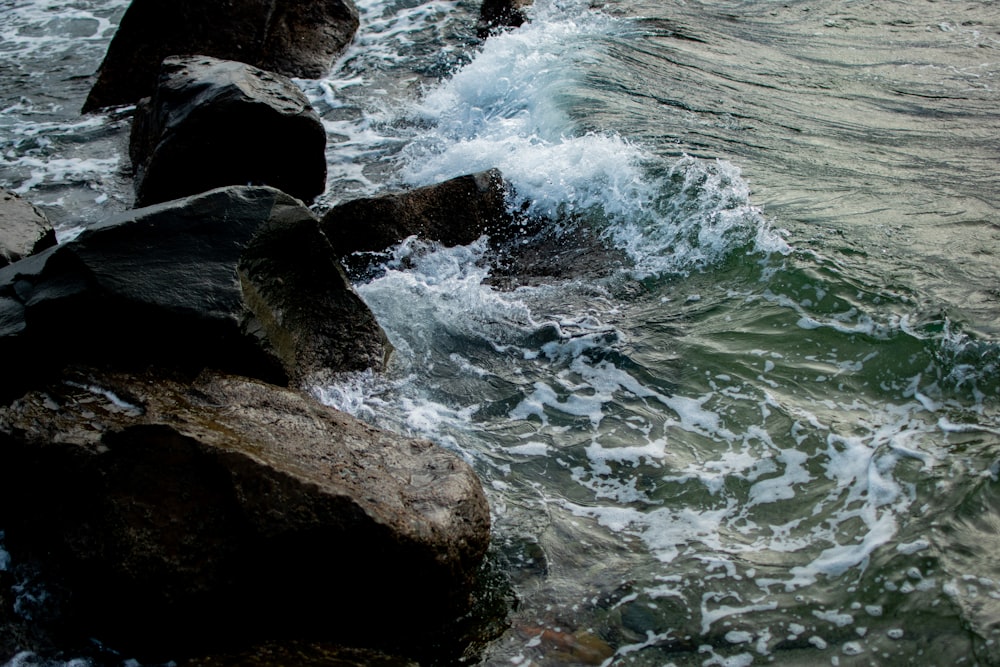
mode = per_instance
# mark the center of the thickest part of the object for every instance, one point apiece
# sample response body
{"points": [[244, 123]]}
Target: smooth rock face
{"points": [[215, 122], [24, 230], [290, 37], [163, 285], [170, 507], [455, 212]]}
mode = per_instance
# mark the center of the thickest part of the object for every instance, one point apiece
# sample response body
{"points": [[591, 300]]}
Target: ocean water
{"points": [[774, 436]]}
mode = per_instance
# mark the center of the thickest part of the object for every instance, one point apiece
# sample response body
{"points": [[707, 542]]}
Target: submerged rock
{"points": [[290, 37], [168, 507], [24, 230], [552, 251], [164, 285], [215, 122], [495, 15]]}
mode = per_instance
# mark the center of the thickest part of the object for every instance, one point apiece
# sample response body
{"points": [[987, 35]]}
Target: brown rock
{"points": [[290, 37], [552, 252], [169, 507], [524, 250], [304, 306], [455, 212], [163, 285]]}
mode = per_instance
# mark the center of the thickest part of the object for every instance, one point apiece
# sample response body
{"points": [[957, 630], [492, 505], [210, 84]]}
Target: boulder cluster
{"points": [[161, 456]]}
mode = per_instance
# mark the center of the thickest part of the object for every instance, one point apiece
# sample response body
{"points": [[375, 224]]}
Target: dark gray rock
{"points": [[24, 230], [496, 15], [455, 212], [228, 509], [550, 251], [290, 37], [215, 122], [303, 305], [524, 250], [162, 285]]}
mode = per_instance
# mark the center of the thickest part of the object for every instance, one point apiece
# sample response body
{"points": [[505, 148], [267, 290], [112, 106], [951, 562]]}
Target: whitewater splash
{"points": [[736, 451], [755, 501], [509, 108], [746, 452], [66, 164]]}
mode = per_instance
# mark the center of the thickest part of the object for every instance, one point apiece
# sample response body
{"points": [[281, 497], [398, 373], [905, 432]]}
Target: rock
{"points": [[552, 251], [303, 38], [24, 230], [524, 250], [230, 510], [495, 15], [290, 37], [215, 122], [304, 305], [162, 285], [455, 212]]}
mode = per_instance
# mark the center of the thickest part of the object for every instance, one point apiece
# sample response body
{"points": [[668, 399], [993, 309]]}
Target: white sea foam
{"points": [[698, 476], [437, 310], [115, 402], [50, 28], [506, 109], [42, 166], [530, 449], [441, 293], [503, 110]]}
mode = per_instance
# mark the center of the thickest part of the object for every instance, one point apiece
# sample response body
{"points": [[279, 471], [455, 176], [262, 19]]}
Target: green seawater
{"points": [[773, 437]]}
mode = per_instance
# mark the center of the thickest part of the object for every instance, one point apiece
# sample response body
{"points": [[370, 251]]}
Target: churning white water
{"points": [[772, 437]]}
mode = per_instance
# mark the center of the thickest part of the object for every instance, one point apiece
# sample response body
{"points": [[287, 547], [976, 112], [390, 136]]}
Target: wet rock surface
{"points": [[497, 15], [212, 123], [163, 285], [170, 505], [304, 308], [551, 252], [296, 39], [455, 212], [523, 250]]}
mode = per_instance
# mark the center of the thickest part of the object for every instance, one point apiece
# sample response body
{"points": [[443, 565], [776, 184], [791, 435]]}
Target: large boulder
{"points": [[290, 37], [303, 305], [455, 212], [215, 122], [163, 285], [24, 230], [231, 510]]}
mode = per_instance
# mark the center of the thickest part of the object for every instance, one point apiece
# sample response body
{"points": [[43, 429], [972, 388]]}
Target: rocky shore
{"points": [[163, 463]]}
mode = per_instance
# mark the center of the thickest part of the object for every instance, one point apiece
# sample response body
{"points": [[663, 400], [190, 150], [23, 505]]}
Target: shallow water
{"points": [[774, 437]]}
